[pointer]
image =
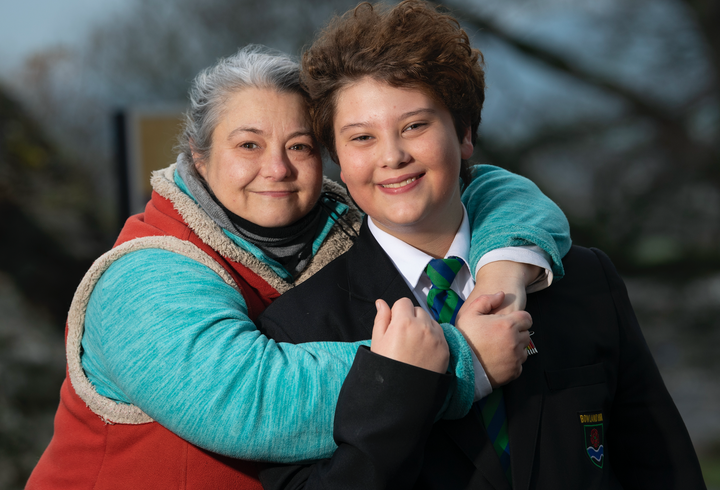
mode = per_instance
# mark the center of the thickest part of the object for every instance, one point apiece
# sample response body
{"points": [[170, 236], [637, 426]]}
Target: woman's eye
{"points": [[301, 147], [249, 146]]}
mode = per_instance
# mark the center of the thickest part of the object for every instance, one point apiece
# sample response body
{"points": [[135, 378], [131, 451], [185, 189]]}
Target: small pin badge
{"points": [[531, 349]]}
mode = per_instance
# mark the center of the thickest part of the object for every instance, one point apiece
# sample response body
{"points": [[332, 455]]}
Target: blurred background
{"points": [[611, 106]]}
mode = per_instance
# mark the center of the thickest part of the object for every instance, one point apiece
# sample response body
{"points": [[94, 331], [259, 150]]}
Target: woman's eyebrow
{"points": [[260, 132], [245, 129], [301, 132]]}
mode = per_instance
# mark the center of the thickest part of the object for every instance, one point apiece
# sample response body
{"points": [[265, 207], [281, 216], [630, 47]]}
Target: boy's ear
{"points": [[466, 146]]}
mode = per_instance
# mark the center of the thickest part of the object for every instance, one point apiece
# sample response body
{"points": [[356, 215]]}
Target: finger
{"points": [[485, 303], [403, 307], [521, 319], [382, 319], [496, 300], [524, 339], [424, 317]]}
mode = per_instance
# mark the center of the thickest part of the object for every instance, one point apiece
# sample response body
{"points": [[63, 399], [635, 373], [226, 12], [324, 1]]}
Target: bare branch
{"points": [[555, 61]]}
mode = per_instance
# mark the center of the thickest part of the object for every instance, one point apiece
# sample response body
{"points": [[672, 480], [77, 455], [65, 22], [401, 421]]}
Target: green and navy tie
{"points": [[444, 303]]}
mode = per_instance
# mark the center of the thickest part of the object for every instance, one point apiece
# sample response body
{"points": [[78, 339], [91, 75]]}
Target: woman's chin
{"points": [[274, 220]]}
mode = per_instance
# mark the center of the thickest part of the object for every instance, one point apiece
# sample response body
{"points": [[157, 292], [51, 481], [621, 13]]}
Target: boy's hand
{"points": [[498, 341], [408, 334]]}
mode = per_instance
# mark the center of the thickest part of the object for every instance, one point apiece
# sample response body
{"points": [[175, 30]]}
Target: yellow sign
{"points": [[153, 134]]}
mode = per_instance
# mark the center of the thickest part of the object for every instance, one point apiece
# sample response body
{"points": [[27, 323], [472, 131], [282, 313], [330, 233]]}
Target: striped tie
{"points": [[444, 304]]}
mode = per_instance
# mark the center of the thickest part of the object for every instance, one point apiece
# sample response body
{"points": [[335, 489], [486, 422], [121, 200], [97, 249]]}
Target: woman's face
{"points": [[264, 164]]}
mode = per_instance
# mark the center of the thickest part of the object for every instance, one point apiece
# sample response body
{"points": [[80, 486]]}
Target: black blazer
{"points": [[593, 370]]}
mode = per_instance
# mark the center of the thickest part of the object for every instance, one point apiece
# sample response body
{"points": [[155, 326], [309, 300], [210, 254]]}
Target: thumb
{"points": [[486, 303], [382, 319]]}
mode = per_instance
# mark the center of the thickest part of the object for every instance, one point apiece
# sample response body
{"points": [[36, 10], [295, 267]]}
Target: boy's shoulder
{"points": [[337, 303]]}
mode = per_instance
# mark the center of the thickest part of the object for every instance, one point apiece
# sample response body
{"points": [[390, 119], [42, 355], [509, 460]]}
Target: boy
{"points": [[396, 98]]}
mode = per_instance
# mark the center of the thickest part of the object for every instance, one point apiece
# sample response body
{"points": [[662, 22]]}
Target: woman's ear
{"points": [[200, 167], [466, 146], [199, 162]]}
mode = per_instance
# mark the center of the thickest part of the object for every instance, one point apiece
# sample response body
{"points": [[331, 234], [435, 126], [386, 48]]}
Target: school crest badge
{"points": [[592, 424]]}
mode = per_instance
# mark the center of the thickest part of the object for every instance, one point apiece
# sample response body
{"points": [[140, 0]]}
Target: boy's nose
{"points": [[395, 154]]}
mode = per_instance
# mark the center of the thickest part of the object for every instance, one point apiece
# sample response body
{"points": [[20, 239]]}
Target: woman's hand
{"points": [[408, 334], [512, 278]]}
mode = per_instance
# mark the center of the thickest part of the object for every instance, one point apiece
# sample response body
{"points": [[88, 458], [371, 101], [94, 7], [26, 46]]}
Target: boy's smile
{"points": [[400, 158]]}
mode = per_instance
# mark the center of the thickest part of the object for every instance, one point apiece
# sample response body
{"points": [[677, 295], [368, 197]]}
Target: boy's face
{"points": [[400, 157]]}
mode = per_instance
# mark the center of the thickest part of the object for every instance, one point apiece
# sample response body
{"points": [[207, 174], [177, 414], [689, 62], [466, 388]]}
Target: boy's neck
{"points": [[432, 238]]}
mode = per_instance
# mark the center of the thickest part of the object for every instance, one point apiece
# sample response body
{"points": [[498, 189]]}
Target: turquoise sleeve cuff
{"points": [[462, 389]]}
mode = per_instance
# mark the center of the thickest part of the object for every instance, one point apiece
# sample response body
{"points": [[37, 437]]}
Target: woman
{"points": [[163, 356]]}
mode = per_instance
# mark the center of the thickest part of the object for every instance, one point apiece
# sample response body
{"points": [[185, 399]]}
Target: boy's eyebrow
{"points": [[419, 111], [425, 110]]}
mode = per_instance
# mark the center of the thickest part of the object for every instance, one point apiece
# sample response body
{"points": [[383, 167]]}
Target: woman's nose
{"points": [[277, 167]]}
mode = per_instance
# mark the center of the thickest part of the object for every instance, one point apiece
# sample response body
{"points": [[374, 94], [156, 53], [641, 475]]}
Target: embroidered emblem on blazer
{"points": [[592, 424]]}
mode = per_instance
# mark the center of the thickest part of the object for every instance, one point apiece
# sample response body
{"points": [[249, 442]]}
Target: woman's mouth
{"points": [[278, 193]]}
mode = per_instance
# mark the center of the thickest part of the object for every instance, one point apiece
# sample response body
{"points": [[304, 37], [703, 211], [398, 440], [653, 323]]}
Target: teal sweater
{"points": [[167, 334]]}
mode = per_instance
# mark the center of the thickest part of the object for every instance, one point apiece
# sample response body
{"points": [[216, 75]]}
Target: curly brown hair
{"points": [[411, 45]]}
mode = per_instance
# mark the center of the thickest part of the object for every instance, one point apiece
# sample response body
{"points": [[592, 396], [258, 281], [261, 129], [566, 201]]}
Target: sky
{"points": [[29, 26]]}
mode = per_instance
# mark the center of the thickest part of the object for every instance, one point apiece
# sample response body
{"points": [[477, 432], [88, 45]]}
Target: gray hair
{"points": [[253, 66]]}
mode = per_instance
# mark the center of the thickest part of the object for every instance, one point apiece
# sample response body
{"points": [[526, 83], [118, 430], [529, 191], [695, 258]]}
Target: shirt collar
{"points": [[410, 261]]}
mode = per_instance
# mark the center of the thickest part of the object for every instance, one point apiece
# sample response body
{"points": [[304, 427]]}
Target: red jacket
{"points": [[88, 452]]}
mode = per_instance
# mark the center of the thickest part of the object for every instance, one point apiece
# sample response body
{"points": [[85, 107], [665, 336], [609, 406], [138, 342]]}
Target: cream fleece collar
{"points": [[211, 234]]}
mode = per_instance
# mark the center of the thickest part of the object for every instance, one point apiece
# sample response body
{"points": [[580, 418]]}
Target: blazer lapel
{"points": [[470, 435], [524, 402], [373, 276]]}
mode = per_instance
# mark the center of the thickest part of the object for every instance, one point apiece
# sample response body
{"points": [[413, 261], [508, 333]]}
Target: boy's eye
{"points": [[364, 137], [414, 126]]}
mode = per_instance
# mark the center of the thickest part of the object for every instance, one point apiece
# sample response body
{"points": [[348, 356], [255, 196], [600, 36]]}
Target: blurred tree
{"points": [[47, 222], [630, 146], [611, 106]]}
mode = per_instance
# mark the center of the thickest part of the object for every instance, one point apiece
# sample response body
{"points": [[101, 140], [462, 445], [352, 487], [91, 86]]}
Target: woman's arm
{"points": [[507, 210], [166, 334], [515, 229]]}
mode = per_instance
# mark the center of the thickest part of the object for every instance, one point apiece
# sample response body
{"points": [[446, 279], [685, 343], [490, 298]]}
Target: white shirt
{"points": [[411, 264]]}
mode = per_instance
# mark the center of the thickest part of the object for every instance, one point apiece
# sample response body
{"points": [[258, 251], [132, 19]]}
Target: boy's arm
{"points": [[642, 410], [378, 447]]}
